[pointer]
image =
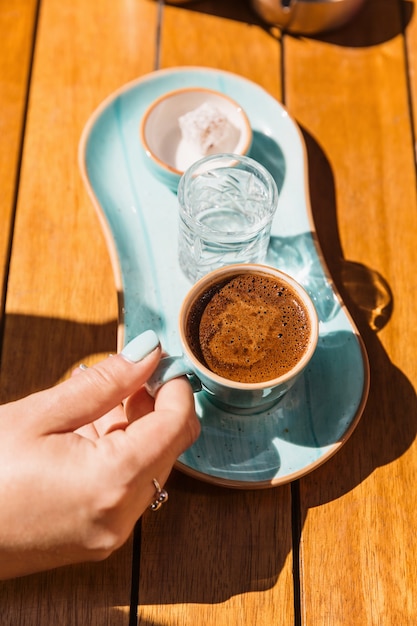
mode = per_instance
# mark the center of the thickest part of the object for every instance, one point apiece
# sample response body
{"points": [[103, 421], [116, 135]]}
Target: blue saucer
{"points": [[139, 217]]}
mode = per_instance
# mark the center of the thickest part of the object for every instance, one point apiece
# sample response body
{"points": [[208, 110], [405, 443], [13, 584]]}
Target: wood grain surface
{"points": [[17, 24], [354, 108], [337, 547]]}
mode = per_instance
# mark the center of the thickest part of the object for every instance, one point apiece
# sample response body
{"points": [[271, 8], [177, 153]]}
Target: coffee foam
{"points": [[251, 328]]}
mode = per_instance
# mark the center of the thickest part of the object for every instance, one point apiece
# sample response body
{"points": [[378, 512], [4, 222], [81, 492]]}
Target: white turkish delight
{"points": [[205, 127]]}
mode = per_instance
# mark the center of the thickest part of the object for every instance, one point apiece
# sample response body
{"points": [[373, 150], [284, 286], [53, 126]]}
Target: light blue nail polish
{"points": [[140, 346]]}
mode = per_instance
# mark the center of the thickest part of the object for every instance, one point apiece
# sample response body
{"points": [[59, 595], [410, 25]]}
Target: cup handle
{"points": [[172, 367]]}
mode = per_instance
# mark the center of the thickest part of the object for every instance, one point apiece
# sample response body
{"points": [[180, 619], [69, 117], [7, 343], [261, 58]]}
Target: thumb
{"points": [[82, 399]]}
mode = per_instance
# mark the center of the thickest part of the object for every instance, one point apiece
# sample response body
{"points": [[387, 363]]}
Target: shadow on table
{"points": [[389, 424], [214, 543], [55, 597], [372, 25], [32, 344]]}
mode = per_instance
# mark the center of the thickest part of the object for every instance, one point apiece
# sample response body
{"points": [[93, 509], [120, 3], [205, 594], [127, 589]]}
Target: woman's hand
{"points": [[77, 466]]}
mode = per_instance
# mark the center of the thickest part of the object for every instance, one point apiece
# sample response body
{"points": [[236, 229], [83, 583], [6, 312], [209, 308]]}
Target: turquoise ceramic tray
{"points": [[139, 217]]}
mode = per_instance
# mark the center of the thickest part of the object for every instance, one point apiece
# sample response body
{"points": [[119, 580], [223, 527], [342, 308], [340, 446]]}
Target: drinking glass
{"points": [[226, 206]]}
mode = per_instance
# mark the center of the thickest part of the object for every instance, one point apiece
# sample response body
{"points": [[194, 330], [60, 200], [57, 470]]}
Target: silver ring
{"points": [[161, 496]]}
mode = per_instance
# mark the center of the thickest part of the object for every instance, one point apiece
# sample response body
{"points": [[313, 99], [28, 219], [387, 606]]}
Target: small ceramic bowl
{"points": [[184, 125]]}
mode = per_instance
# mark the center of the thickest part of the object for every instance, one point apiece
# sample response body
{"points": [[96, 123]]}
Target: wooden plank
{"points": [[348, 90], [410, 25], [62, 277], [218, 556], [61, 301], [17, 24], [227, 36]]}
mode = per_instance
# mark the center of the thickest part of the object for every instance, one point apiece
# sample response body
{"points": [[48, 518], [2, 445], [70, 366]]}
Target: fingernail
{"points": [[140, 346], [83, 366]]}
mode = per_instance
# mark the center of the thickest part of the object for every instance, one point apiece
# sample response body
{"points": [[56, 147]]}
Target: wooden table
{"points": [[337, 547]]}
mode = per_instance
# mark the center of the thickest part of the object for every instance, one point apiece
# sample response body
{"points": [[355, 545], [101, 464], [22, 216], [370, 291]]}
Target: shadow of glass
{"points": [[369, 291], [297, 255]]}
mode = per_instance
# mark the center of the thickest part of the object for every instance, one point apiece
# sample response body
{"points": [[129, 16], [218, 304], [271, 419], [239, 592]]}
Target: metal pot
{"points": [[307, 16]]}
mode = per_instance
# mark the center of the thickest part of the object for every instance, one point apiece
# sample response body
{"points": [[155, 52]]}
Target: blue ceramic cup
{"points": [[247, 332]]}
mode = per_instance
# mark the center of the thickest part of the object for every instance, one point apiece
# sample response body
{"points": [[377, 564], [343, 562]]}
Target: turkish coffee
{"points": [[249, 328]]}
